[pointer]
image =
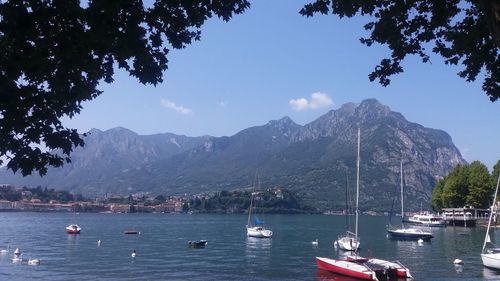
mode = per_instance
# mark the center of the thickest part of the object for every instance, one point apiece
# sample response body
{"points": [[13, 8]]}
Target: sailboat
{"points": [[491, 255], [350, 240], [403, 232], [255, 226], [360, 267]]}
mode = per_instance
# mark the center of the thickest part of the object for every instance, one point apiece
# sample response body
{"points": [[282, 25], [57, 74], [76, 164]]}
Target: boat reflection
{"points": [[491, 274]]}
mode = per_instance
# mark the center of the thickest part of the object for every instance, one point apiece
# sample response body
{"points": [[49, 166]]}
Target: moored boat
{"points": [[73, 229], [197, 244], [426, 220], [491, 255], [364, 268], [409, 233], [255, 227], [350, 240]]}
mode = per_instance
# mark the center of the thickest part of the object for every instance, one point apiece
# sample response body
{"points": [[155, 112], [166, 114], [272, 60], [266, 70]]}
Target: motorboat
{"points": [[131, 231], [73, 229], [197, 244], [426, 220], [364, 268]]}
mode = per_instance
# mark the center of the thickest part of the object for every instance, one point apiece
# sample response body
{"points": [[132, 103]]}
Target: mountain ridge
{"points": [[312, 160]]}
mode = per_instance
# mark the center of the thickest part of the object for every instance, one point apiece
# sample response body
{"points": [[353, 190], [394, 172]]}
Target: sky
{"points": [[271, 62]]}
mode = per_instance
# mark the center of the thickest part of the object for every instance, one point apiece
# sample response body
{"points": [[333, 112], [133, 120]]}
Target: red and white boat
{"points": [[364, 268], [73, 229]]}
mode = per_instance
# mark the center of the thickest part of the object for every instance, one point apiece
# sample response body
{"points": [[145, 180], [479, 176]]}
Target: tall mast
{"points": [[491, 214], [401, 172], [357, 185]]}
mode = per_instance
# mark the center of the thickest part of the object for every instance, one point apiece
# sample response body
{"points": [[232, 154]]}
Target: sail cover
{"points": [[257, 221]]}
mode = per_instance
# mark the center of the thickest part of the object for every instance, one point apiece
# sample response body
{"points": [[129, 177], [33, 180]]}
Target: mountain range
{"points": [[317, 161]]}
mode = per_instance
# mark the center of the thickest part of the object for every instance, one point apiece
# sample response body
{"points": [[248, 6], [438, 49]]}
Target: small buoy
{"points": [[335, 243], [98, 242], [134, 253], [458, 261], [420, 242], [315, 243]]}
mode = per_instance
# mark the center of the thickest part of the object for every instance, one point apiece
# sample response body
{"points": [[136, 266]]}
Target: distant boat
{"points": [[197, 244], [255, 226], [426, 220], [404, 232], [491, 255], [350, 240], [73, 229], [363, 268], [131, 231]]}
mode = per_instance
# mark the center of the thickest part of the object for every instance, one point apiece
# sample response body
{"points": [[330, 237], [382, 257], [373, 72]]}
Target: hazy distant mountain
{"points": [[317, 160]]}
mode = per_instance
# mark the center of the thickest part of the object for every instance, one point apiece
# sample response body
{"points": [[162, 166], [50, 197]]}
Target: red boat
{"points": [[73, 229], [364, 268]]}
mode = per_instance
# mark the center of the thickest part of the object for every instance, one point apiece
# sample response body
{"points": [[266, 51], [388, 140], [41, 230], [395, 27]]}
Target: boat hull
{"points": [[491, 260], [73, 229], [348, 243], [259, 232], [409, 235], [346, 268]]}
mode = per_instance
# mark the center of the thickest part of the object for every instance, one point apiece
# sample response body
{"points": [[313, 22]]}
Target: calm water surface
{"points": [[163, 253]]}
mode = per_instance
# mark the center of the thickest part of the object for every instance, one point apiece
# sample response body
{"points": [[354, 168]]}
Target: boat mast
{"points": [[357, 185], [346, 202], [491, 214], [401, 176]]}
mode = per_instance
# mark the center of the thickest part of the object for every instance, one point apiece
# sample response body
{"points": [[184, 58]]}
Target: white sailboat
{"points": [[350, 240], [360, 267], [405, 232], [255, 226], [491, 255]]}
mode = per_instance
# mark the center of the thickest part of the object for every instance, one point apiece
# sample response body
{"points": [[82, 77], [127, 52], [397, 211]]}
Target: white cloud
{"points": [[318, 100], [223, 103], [171, 105]]}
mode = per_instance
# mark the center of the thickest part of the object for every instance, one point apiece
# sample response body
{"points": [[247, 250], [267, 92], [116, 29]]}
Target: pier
{"points": [[466, 217]]}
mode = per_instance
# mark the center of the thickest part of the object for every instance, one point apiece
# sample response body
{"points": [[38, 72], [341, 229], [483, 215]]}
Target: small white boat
{"points": [[34, 261], [73, 229], [491, 255], [405, 232], [348, 242], [255, 227], [259, 232]]}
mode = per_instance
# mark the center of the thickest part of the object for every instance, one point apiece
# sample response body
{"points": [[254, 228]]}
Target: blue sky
{"points": [[270, 62]]}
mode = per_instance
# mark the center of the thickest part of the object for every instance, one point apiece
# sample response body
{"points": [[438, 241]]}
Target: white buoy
{"points": [[98, 242], [134, 253], [335, 243], [420, 242], [458, 261], [315, 243]]}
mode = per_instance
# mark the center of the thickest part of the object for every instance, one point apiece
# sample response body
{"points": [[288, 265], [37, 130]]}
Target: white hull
{"points": [[491, 260], [259, 232], [347, 243]]}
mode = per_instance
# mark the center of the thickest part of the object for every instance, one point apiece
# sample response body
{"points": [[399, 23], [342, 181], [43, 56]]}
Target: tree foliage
{"points": [[55, 53], [462, 32], [469, 185]]}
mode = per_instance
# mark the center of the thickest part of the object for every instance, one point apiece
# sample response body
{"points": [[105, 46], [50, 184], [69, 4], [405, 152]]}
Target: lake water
{"points": [[163, 254]]}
